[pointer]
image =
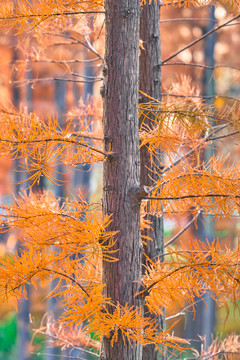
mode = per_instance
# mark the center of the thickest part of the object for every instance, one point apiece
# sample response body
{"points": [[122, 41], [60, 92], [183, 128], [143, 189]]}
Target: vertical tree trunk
{"points": [[60, 94], [122, 171], [209, 314], [82, 178], [150, 71], [150, 83], [202, 323], [23, 326]]}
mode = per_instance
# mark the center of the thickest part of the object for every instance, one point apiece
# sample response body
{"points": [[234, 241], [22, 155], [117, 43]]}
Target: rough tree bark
{"points": [[150, 83], [122, 170]]}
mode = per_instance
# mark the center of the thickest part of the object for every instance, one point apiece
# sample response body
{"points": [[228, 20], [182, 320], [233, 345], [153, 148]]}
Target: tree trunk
{"points": [[150, 59], [60, 92], [122, 171], [23, 330], [202, 323], [150, 83]]}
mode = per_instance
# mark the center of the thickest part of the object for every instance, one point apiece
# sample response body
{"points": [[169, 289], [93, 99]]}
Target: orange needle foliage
{"points": [[75, 227], [29, 14], [191, 273], [180, 125], [41, 143], [53, 234], [213, 187]]}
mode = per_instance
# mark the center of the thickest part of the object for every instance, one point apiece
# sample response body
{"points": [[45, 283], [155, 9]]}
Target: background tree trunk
{"points": [[60, 105], [122, 171], [203, 322], [23, 322], [150, 83]]}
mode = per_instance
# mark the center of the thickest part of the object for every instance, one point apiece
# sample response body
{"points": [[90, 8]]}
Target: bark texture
{"points": [[150, 71], [122, 170], [150, 83]]}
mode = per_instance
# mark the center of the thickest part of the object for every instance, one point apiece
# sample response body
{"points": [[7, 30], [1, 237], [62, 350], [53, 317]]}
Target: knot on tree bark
{"points": [[127, 11], [143, 192], [138, 193]]}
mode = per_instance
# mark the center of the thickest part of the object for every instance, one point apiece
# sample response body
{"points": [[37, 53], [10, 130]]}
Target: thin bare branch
{"points": [[88, 45], [173, 3], [206, 213], [210, 97], [179, 252], [183, 312], [220, 352], [67, 277], [56, 61], [208, 264], [57, 140], [192, 196], [64, 44], [206, 139], [31, 81], [188, 19], [183, 230], [85, 76], [207, 67], [57, 356], [224, 136], [67, 342], [183, 157], [217, 28], [85, 136], [47, 16]]}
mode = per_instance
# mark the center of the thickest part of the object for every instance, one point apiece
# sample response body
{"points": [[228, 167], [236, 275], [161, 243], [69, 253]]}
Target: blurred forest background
{"points": [[38, 73]]}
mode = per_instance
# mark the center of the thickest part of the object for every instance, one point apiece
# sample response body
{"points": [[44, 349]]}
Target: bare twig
{"points": [[47, 16], [179, 252], [188, 19], [183, 157], [206, 139], [65, 43], [57, 356], [183, 312], [206, 213], [192, 196], [56, 61], [31, 81], [207, 67], [183, 267], [200, 38], [58, 140], [206, 357], [167, 3], [67, 342], [85, 76], [205, 97], [224, 136], [88, 45], [183, 230], [67, 277]]}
